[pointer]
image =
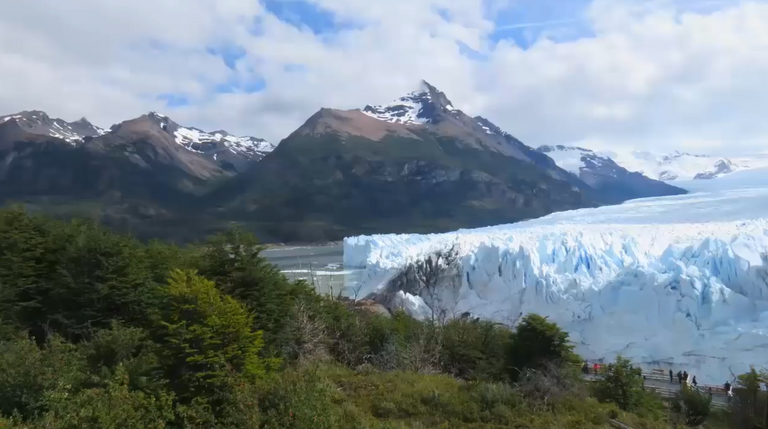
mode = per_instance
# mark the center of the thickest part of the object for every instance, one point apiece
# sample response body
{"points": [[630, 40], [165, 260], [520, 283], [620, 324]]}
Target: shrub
{"points": [[475, 350], [28, 373]]}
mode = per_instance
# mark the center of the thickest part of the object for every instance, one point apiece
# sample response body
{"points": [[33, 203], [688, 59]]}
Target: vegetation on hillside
{"points": [[99, 330]]}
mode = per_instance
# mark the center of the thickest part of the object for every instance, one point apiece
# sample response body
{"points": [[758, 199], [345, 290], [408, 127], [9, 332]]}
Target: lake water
{"points": [[321, 266]]}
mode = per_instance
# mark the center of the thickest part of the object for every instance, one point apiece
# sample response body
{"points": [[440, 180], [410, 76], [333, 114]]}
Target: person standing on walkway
{"points": [[671, 377], [685, 376], [694, 381], [728, 393], [680, 377]]}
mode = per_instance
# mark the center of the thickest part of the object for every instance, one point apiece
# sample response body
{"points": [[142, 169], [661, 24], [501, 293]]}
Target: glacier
{"points": [[675, 282]]}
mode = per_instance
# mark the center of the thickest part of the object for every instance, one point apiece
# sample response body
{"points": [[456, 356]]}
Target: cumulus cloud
{"points": [[657, 74]]}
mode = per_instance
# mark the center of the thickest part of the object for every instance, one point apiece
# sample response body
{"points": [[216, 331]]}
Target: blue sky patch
{"points": [[234, 85], [174, 100], [305, 14], [228, 53], [526, 22]]}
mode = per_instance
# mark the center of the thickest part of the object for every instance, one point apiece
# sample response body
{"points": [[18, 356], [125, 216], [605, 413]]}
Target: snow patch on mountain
{"points": [[569, 158], [679, 280], [245, 146], [408, 109]]}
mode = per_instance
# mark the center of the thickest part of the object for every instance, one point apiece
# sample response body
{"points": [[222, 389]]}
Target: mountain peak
{"points": [[419, 107], [39, 123]]}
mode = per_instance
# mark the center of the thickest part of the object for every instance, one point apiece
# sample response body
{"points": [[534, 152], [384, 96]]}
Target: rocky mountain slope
{"points": [[417, 164], [602, 173]]}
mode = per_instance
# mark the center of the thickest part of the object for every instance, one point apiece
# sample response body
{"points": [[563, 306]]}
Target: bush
{"points": [[112, 407], [203, 337], [299, 400], [536, 343], [692, 406], [621, 384]]}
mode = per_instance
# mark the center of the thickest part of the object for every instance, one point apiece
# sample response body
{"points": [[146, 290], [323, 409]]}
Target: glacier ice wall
{"points": [[675, 282]]}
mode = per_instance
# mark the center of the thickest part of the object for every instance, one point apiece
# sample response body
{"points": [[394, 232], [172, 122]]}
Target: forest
{"points": [[101, 330]]}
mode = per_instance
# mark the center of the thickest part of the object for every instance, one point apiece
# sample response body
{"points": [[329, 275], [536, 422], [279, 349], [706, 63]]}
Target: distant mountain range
{"points": [[415, 165], [665, 167]]}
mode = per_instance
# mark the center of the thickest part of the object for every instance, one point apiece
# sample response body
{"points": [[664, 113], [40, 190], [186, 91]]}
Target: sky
{"points": [[659, 75]]}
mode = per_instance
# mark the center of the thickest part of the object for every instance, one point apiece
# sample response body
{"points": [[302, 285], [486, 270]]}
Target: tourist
{"points": [[671, 376], [680, 377], [694, 381]]}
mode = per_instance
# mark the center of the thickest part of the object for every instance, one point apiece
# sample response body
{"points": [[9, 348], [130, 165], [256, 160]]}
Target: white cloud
{"points": [[651, 76]]}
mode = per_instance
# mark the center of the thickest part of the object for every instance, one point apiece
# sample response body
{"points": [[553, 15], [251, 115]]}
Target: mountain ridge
{"points": [[417, 164]]}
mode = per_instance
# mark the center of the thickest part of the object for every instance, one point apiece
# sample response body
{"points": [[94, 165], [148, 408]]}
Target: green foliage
{"points": [[749, 407], [71, 278], [28, 373], [122, 334], [692, 406], [475, 350], [536, 343], [204, 336], [113, 407]]}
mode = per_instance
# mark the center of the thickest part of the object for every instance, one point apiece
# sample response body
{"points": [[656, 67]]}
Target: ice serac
{"points": [[670, 282]]}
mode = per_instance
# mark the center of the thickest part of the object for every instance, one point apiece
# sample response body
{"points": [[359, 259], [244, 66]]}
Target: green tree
{"points": [[749, 406], [70, 278], [621, 384], [233, 261], [536, 343], [205, 336], [692, 406]]}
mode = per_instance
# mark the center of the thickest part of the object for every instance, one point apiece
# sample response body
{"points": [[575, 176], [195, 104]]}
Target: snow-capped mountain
{"points": [[673, 281], [214, 143], [684, 166], [605, 175], [417, 107], [38, 122]]}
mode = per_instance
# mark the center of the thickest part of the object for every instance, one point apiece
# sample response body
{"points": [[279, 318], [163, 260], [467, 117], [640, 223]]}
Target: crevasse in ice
{"points": [[676, 282]]}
